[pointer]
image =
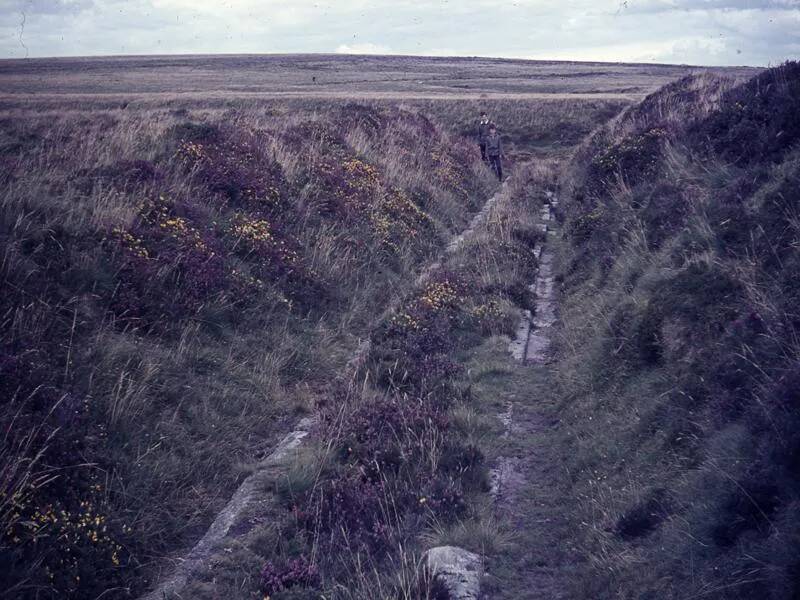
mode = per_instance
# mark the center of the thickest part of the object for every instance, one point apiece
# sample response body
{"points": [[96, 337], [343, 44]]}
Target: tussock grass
{"points": [[489, 370], [471, 424], [484, 536], [304, 470]]}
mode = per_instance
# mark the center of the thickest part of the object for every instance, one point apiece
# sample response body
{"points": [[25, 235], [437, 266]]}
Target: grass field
{"points": [[223, 78]]}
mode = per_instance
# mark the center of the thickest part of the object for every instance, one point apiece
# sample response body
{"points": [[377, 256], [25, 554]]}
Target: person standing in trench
{"points": [[494, 151], [483, 131]]}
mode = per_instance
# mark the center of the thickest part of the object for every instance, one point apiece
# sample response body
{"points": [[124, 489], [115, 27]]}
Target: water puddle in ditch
{"points": [[531, 341]]}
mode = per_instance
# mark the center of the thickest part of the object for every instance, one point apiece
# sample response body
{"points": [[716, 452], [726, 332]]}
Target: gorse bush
{"points": [[418, 338], [63, 513], [680, 332], [176, 254]]}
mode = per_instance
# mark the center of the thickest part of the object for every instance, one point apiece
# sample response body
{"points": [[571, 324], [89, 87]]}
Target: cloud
{"points": [[693, 31], [666, 6], [669, 51], [364, 48], [45, 7]]}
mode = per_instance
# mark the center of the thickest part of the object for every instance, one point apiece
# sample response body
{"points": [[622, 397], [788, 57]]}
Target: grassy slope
{"points": [[175, 286], [679, 353]]}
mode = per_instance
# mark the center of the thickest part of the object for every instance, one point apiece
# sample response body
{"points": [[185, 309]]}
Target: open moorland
{"points": [[223, 78], [201, 255]]}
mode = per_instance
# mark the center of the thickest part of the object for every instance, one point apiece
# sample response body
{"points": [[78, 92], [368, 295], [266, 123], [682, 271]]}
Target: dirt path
{"points": [[533, 498], [530, 486], [249, 497]]}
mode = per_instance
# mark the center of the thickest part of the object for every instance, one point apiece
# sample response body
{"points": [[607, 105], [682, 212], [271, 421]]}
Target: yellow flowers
{"points": [[259, 233], [192, 151], [362, 175], [396, 217], [437, 299], [391, 214], [405, 321], [446, 171], [159, 214], [68, 527], [381, 224], [490, 310], [131, 243], [247, 279], [255, 231], [399, 200], [181, 230], [438, 295]]}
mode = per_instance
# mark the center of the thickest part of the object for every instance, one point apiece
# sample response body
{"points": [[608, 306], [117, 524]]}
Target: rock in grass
{"points": [[458, 570]]}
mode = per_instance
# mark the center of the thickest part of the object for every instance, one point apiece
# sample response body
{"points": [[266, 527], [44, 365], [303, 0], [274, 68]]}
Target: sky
{"points": [[698, 32]]}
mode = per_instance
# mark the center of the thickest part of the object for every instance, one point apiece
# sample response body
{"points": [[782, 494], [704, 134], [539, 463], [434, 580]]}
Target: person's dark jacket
{"points": [[483, 131], [494, 146]]}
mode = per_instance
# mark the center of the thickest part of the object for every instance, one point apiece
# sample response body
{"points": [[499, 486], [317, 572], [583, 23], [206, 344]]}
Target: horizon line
{"points": [[379, 55]]}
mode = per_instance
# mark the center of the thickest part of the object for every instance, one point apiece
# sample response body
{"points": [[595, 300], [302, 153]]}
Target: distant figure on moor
{"points": [[483, 131], [494, 151]]}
